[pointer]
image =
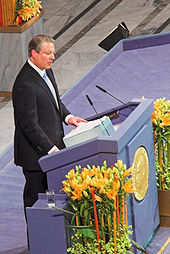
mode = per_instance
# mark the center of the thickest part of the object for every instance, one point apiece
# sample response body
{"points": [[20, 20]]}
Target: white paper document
{"points": [[89, 130]]}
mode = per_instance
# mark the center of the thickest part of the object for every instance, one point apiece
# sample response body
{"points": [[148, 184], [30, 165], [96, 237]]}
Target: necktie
{"points": [[48, 82]]}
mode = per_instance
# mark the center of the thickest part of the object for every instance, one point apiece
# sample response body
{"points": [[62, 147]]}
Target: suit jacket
{"points": [[38, 121]]}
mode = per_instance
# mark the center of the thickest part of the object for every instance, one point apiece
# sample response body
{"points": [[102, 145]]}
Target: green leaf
{"points": [[81, 209], [139, 247], [62, 210], [73, 218], [86, 215], [74, 207], [88, 231], [80, 227]]}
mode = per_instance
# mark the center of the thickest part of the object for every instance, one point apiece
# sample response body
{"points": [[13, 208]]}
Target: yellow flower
{"points": [[98, 183], [116, 172], [97, 198], [102, 190], [74, 183], [87, 181], [71, 174], [119, 164], [106, 174], [117, 185], [66, 188], [161, 114], [128, 188], [85, 193], [127, 173], [111, 193], [76, 194], [84, 173], [165, 120]]}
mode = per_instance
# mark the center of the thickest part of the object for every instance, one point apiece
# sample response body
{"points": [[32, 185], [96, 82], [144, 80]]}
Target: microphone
{"points": [[103, 90], [91, 103]]}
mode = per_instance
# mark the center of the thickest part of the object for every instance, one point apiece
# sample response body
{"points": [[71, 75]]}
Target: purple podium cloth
{"points": [[47, 227]]}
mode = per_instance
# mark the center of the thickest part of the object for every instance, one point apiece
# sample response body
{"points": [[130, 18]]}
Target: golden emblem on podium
{"points": [[140, 176]]}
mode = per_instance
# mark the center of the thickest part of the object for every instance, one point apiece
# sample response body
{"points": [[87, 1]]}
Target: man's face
{"points": [[44, 59]]}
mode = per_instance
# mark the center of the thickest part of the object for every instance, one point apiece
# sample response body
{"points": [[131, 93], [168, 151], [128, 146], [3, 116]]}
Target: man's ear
{"points": [[34, 53]]}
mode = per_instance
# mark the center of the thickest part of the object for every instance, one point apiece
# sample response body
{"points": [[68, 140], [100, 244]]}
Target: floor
{"points": [[77, 27]]}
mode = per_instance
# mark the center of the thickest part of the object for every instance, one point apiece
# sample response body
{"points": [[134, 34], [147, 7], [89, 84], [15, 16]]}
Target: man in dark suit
{"points": [[38, 115]]}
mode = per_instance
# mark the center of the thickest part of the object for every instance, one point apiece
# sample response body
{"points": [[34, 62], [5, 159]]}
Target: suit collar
{"points": [[41, 82], [41, 72]]}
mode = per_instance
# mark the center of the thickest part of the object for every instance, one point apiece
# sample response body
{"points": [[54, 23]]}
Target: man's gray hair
{"points": [[36, 43]]}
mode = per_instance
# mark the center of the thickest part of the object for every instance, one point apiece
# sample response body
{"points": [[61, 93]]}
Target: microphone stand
{"points": [[91, 103], [103, 90]]}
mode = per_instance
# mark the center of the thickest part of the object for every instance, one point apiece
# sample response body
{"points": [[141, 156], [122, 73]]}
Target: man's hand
{"points": [[74, 120], [54, 149]]}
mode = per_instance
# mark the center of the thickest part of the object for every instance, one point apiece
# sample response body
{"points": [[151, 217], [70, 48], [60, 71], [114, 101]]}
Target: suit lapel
{"points": [[41, 82]]}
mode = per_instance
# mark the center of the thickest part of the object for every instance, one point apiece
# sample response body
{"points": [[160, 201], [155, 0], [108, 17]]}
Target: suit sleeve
{"points": [[25, 110], [64, 112]]}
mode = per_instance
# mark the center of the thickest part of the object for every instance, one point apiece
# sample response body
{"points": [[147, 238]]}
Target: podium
{"points": [[128, 70], [134, 132]]}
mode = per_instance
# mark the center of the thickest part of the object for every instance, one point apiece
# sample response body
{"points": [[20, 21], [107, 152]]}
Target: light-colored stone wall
{"points": [[13, 53]]}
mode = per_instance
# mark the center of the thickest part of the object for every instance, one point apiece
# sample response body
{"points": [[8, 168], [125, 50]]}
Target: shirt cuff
{"points": [[53, 149], [68, 117]]}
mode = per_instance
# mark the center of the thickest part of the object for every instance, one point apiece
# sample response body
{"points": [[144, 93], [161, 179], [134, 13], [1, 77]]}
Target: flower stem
{"points": [[77, 223], [160, 163], [102, 224], [95, 217], [126, 219], [122, 210], [114, 226], [118, 216], [168, 151], [108, 223]]}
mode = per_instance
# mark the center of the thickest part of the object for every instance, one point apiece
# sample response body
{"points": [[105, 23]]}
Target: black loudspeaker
{"points": [[119, 33]]}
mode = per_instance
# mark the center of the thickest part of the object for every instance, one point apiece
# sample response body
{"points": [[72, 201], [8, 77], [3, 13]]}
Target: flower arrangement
{"points": [[98, 197], [26, 9], [161, 127], [13, 12]]}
